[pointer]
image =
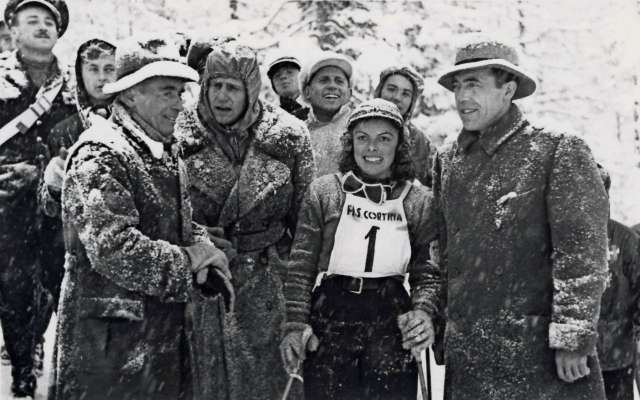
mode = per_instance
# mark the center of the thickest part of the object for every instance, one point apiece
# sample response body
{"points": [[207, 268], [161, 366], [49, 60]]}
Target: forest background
{"points": [[584, 54]]}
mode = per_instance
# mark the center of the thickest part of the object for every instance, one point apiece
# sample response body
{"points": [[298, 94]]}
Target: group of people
{"points": [[221, 248]]}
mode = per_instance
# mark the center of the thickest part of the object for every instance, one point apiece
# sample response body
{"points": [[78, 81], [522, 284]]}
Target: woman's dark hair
{"points": [[402, 167]]}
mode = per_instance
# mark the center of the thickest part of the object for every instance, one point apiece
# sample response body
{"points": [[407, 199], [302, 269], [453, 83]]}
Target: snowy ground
{"points": [[437, 374]]}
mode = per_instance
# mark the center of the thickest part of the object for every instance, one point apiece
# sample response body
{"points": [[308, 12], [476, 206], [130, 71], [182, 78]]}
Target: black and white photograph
{"points": [[319, 200]]}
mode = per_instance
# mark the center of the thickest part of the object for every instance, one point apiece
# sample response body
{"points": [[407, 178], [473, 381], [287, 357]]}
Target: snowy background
{"points": [[584, 55]]}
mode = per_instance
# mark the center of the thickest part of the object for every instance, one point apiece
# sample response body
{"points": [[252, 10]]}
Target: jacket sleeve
{"points": [[302, 268], [302, 175], [98, 203], [578, 211], [424, 275]]}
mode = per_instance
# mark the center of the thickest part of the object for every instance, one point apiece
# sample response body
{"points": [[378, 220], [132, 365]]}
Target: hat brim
{"points": [[281, 62], [170, 69], [526, 85], [340, 63]]}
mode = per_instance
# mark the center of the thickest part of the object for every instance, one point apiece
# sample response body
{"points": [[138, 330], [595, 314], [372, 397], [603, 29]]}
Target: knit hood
{"points": [[232, 60], [413, 77], [83, 99]]}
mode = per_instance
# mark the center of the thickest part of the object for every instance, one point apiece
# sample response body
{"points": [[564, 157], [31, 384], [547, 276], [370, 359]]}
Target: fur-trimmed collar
{"points": [[14, 80], [276, 133]]}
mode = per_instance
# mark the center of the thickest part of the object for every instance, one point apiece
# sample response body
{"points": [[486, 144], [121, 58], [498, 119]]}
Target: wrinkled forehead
{"points": [[331, 72], [226, 80]]}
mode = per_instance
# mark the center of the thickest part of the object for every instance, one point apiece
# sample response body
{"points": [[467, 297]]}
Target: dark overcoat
{"points": [[256, 201], [524, 260], [126, 215]]}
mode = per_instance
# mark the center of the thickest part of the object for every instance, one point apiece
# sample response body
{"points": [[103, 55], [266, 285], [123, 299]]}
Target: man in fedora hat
{"points": [[283, 71], [524, 242], [35, 94], [326, 86], [131, 245]]}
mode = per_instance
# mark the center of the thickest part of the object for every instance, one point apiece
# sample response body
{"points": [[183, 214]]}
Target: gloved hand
{"points": [[54, 172], [15, 176], [417, 331], [204, 255], [218, 284], [571, 366], [294, 347], [216, 235]]}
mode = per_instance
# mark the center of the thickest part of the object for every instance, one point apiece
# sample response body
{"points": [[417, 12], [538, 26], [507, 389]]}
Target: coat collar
{"points": [[496, 135], [126, 120]]}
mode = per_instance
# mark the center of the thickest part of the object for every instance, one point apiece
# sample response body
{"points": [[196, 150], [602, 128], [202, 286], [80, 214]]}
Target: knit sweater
{"points": [[317, 223]]}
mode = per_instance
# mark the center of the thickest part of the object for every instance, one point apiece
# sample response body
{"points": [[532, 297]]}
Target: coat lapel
{"points": [[260, 176]]}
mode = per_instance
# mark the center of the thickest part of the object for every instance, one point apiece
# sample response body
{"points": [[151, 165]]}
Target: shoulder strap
{"points": [[25, 120]]}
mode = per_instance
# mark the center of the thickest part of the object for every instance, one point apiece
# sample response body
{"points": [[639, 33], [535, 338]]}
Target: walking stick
{"points": [[425, 385], [306, 335]]}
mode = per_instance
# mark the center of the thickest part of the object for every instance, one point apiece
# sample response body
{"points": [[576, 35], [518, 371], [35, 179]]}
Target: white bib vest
{"points": [[371, 240]]}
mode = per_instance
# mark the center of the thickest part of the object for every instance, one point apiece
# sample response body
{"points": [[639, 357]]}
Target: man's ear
{"points": [[510, 89], [128, 97], [306, 93]]}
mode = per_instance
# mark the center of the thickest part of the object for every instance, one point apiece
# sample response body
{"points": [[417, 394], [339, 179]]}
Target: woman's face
{"points": [[374, 146]]}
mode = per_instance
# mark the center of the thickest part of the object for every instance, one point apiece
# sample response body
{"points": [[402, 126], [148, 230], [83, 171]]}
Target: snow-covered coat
{"points": [[255, 200], [421, 152], [319, 217], [126, 215], [524, 257], [325, 139], [619, 324]]}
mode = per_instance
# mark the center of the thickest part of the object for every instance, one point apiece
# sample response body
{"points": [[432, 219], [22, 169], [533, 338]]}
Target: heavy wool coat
{"points": [[127, 215], [256, 201], [524, 260]]}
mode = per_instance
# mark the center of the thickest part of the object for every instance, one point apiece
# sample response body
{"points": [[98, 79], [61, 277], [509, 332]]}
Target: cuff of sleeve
{"points": [[572, 337], [294, 327]]}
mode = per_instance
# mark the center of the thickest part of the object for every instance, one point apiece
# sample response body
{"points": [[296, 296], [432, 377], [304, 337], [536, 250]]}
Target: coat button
{"points": [[38, 123]]}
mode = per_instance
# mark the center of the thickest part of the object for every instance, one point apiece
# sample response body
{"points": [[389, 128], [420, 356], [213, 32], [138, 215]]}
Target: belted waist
{"points": [[257, 240], [357, 285]]}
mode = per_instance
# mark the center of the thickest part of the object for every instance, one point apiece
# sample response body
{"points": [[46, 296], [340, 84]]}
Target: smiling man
{"points": [[326, 86], [34, 95], [132, 249], [525, 242]]}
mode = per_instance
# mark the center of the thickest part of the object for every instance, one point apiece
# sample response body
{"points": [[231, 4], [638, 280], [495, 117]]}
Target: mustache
{"points": [[42, 34]]}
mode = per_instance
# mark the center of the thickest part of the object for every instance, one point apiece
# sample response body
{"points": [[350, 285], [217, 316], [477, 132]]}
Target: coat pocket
{"points": [[513, 206], [99, 307]]}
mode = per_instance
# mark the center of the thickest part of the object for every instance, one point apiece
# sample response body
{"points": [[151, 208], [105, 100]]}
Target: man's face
{"points": [[6, 41], [398, 90], [285, 81], [35, 29], [96, 73], [328, 90], [158, 101], [228, 99], [478, 101]]}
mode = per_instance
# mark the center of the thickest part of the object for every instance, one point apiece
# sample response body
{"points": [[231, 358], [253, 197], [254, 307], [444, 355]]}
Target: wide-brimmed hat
{"points": [[376, 108], [57, 7], [490, 54], [327, 59], [139, 59]]}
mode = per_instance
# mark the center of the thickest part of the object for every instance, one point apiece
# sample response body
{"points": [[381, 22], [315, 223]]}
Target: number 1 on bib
{"points": [[371, 248]]}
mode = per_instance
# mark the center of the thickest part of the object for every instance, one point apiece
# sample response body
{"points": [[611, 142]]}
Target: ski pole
{"points": [[425, 385]]}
